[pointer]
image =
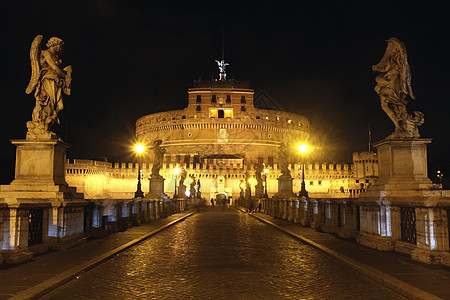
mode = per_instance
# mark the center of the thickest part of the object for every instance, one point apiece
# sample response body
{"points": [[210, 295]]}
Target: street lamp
{"points": [[303, 192], [139, 150], [439, 176], [266, 171], [242, 187], [176, 171]]}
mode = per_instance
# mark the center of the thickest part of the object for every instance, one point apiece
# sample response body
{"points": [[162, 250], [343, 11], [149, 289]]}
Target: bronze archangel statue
{"points": [[158, 154], [393, 85], [49, 82]]}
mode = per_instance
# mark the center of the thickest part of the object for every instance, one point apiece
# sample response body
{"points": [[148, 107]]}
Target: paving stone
{"points": [[218, 254]]}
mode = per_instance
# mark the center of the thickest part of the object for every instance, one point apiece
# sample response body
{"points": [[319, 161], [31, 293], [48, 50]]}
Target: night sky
{"points": [[133, 58]]}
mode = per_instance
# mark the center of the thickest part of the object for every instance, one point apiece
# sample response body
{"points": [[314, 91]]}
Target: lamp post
{"points": [[303, 192], [266, 171], [176, 171], [139, 150], [242, 193], [439, 176]]}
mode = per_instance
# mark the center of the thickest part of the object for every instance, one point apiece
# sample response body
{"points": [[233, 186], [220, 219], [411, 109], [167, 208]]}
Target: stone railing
{"points": [[421, 231]]}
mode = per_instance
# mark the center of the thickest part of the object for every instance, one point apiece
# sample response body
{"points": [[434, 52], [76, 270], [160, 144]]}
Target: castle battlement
{"points": [[99, 179]]}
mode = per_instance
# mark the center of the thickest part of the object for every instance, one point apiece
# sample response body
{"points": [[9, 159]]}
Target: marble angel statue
{"points": [[284, 159], [49, 81], [158, 155], [393, 86]]}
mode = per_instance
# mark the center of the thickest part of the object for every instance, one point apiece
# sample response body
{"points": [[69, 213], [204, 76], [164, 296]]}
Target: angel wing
{"points": [[34, 58], [405, 71], [406, 78]]}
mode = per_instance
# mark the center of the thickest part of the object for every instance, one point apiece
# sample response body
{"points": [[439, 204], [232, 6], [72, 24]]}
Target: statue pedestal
{"points": [[402, 182], [182, 191], [40, 162], [42, 211], [285, 188], [259, 190], [156, 187], [402, 164]]}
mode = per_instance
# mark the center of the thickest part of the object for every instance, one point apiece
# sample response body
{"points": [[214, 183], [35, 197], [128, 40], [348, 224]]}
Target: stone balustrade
{"points": [[415, 230]]}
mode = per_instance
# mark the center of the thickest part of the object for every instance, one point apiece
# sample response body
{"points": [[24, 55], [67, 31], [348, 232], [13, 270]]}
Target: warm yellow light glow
{"points": [[250, 180], [176, 171], [302, 148], [140, 148], [242, 185], [213, 113], [266, 171], [289, 121], [228, 113], [190, 180]]}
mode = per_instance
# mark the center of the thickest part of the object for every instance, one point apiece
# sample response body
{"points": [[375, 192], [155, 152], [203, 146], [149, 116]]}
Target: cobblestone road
{"points": [[219, 254]]}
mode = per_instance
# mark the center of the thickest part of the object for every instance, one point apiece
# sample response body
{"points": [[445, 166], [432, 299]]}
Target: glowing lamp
{"points": [[140, 148], [302, 148], [266, 171], [176, 171]]}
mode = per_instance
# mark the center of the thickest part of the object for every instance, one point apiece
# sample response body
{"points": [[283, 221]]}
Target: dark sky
{"points": [[133, 58]]}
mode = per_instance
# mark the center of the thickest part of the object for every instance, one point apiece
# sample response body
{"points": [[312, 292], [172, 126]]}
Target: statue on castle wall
{"points": [[49, 81], [192, 184], [393, 85], [258, 170], [183, 175], [284, 159], [158, 157]]}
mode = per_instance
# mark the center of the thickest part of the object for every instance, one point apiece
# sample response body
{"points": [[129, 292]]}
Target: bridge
{"points": [[223, 252]]}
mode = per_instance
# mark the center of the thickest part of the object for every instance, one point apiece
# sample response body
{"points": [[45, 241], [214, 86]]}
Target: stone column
{"points": [[152, 210], [296, 215], [274, 211], [290, 216], [431, 235], [284, 215], [15, 236], [281, 212], [158, 209]]}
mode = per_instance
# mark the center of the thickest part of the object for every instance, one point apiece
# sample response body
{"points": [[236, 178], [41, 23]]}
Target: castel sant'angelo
{"points": [[219, 140]]}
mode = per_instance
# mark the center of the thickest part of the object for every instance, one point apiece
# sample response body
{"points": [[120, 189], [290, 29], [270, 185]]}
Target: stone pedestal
{"points": [[285, 188], [259, 190], [39, 189], [156, 187], [402, 164], [40, 162], [182, 191]]}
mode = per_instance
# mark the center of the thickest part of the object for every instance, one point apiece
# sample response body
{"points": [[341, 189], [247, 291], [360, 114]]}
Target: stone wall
{"points": [[104, 180]]}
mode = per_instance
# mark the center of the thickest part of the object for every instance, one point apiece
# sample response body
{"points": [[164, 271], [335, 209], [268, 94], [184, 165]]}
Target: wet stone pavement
{"points": [[222, 254]]}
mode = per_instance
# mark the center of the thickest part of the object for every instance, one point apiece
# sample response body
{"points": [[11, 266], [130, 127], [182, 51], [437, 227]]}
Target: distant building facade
{"points": [[217, 138], [221, 119]]}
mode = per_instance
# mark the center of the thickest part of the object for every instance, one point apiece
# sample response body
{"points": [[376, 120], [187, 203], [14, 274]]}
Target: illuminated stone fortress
{"points": [[218, 138]]}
